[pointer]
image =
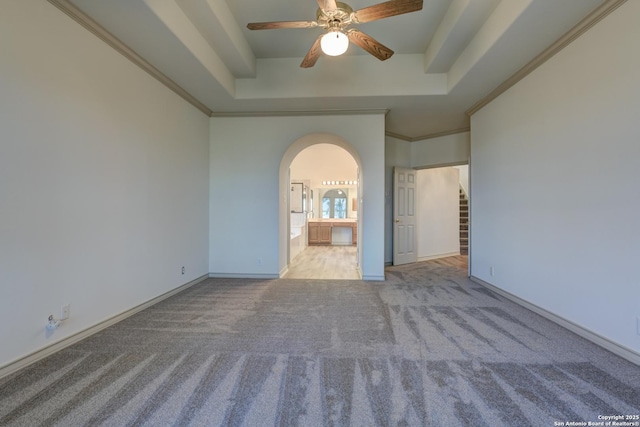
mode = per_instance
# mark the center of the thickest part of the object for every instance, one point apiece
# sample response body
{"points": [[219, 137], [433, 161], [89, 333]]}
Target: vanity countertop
{"points": [[333, 220]]}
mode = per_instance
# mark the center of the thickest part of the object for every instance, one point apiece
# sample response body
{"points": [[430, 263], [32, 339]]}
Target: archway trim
{"points": [[284, 218]]}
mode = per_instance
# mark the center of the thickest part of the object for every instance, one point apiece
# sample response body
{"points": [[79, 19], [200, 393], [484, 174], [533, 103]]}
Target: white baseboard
{"points": [[374, 278], [48, 350], [243, 276], [598, 339], [283, 272], [431, 257]]}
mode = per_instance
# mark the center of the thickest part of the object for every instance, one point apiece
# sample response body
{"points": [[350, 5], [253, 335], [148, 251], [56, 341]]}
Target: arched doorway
{"points": [[285, 180]]}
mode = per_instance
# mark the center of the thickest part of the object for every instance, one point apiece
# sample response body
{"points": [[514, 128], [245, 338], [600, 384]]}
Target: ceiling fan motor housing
{"points": [[338, 18]]}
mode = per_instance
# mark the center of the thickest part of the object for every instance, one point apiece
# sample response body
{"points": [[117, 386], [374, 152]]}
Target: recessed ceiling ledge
{"points": [[346, 76], [183, 29], [299, 113]]}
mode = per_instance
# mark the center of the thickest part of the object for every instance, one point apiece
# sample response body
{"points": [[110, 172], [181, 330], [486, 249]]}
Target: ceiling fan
{"points": [[335, 17]]}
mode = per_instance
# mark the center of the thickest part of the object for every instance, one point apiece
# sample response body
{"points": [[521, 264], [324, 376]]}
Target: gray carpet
{"points": [[425, 348]]}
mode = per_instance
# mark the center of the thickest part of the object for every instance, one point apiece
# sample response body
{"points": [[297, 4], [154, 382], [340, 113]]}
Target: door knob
{"points": [[397, 220]]}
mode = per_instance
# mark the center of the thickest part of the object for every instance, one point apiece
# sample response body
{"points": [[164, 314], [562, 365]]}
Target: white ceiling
{"points": [[448, 56], [324, 162]]}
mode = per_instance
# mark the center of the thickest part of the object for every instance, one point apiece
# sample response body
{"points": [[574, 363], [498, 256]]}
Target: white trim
{"points": [[243, 276], [604, 342], [290, 113], [429, 136], [432, 257], [375, 278], [50, 349], [440, 165], [470, 209], [284, 272]]}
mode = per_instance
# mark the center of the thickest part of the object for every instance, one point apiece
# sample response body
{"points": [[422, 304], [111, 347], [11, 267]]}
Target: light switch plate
{"points": [[65, 312]]}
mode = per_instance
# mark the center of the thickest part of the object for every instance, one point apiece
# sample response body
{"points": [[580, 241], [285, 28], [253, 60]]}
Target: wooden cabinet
{"points": [[325, 234], [314, 230], [320, 232]]}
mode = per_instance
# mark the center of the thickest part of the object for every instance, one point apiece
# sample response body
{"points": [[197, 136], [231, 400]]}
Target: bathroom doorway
{"points": [[323, 221]]}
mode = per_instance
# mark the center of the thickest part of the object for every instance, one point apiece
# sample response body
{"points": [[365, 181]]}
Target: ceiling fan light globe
{"points": [[334, 43]]}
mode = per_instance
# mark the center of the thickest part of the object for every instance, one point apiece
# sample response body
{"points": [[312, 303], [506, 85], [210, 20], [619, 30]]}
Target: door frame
{"points": [[284, 194]]}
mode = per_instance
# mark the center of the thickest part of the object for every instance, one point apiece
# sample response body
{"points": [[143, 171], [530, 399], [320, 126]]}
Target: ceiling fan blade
{"points": [[313, 54], [369, 44], [281, 24], [387, 9], [327, 5]]}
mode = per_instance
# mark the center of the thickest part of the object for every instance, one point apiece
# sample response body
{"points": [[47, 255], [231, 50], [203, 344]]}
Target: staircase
{"points": [[464, 224]]}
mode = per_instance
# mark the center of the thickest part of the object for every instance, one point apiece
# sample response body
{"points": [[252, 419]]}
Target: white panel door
{"points": [[404, 216]]}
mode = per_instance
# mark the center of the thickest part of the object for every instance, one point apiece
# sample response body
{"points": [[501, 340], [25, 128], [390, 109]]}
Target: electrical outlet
{"points": [[53, 324], [65, 312], [259, 261], [490, 271], [183, 269]]}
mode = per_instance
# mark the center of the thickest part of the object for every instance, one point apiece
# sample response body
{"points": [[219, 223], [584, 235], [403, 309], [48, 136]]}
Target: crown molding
{"points": [[429, 136], [397, 136], [87, 22], [298, 113], [583, 26]]}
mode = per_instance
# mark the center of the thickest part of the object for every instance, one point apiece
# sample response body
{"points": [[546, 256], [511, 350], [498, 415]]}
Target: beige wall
{"points": [[438, 212], [554, 183], [103, 181], [245, 158]]}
